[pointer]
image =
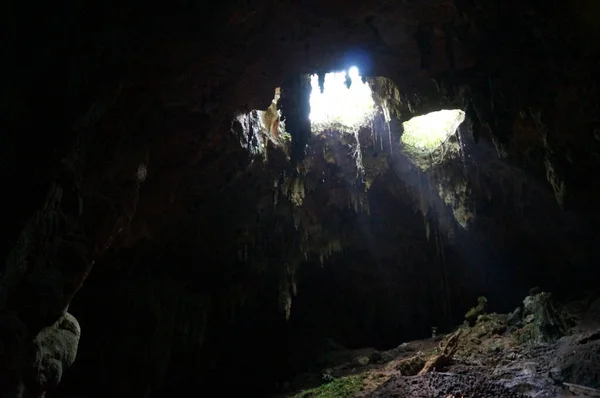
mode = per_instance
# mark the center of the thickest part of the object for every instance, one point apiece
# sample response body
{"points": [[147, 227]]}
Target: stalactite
{"points": [[359, 202], [358, 156], [387, 119], [423, 206], [275, 192], [557, 183], [373, 133], [285, 297], [294, 190]]}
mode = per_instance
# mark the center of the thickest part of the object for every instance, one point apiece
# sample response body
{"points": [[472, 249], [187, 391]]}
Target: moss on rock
{"points": [[474, 312], [338, 388], [543, 322]]}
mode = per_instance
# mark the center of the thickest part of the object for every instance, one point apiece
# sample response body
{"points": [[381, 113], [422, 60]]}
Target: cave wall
{"points": [[117, 136]]}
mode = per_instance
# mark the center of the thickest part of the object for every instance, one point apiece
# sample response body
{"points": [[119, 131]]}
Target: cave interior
{"points": [[211, 196]]}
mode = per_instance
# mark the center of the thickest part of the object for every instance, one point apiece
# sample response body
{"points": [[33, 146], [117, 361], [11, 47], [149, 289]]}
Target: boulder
{"points": [[55, 350], [543, 321]]}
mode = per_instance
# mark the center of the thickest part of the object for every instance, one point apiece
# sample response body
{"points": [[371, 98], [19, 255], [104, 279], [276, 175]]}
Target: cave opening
{"points": [[342, 100], [428, 132], [361, 164]]}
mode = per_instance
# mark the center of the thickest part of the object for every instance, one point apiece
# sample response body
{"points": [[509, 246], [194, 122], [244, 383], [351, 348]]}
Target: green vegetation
{"points": [[286, 137], [344, 387], [428, 132], [479, 309]]}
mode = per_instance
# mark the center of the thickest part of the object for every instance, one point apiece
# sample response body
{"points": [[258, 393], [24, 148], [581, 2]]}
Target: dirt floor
{"points": [[541, 350]]}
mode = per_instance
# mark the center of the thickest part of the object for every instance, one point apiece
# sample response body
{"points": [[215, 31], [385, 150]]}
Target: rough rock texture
{"points": [[578, 359], [444, 385], [542, 320], [55, 351], [489, 361], [480, 309], [50, 353]]}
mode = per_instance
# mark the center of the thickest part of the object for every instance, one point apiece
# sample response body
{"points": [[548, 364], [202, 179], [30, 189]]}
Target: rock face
{"points": [[51, 352], [55, 351], [479, 309], [542, 322], [578, 360]]}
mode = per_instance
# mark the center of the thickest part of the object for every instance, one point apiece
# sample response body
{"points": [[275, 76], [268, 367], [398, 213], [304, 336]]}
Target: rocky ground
{"points": [[540, 350]]}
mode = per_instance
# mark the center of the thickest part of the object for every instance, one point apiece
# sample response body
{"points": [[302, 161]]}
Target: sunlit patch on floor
{"points": [[339, 106], [428, 132]]}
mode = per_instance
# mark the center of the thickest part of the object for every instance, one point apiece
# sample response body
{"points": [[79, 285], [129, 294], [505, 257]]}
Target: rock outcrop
{"points": [[55, 350]]}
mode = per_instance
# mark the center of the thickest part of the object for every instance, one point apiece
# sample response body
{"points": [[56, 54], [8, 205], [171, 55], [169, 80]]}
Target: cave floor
{"points": [[492, 358]]}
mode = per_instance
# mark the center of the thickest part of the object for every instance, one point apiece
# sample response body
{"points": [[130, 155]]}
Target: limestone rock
{"points": [[543, 321], [55, 350], [410, 366], [472, 315], [515, 318], [577, 360]]}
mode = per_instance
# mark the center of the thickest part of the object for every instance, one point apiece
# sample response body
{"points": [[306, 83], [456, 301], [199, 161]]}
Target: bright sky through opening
{"points": [[338, 104], [428, 132]]}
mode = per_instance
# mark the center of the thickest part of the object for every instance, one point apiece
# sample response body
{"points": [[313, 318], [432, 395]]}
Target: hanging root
{"points": [[360, 168]]}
